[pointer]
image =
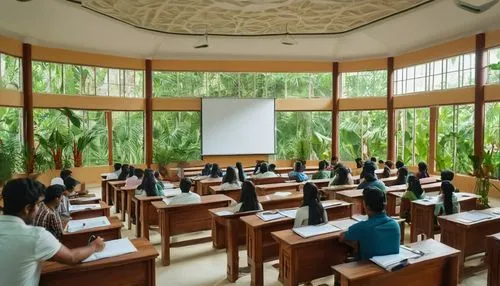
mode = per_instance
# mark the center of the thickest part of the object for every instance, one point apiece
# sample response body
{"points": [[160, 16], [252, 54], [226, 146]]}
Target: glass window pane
{"points": [[114, 82], [369, 83], [41, 77], [492, 131], [88, 80], [452, 80], [10, 72], [72, 79], [96, 153], [128, 137], [102, 81]]}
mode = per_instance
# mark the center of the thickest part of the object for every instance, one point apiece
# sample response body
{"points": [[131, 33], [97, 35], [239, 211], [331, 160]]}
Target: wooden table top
{"points": [[455, 218], [234, 215], [495, 236], [277, 185], [273, 197], [339, 187], [289, 237], [204, 200], [460, 196], [115, 183], [115, 223], [364, 269], [145, 251], [103, 204], [211, 180]]}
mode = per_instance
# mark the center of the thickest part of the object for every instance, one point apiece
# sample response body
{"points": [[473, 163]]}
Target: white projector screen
{"points": [[236, 126]]}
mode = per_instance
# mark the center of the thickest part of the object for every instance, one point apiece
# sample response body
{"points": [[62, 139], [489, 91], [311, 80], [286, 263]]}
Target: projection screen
{"points": [[237, 126]]}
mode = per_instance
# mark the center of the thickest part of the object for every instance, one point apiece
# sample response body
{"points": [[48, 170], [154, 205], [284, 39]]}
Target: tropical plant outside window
{"points": [[71, 79], [96, 154], [128, 137], [303, 135], [493, 57], [363, 134], [412, 135], [253, 85], [366, 83], [454, 72], [492, 133], [10, 72], [11, 134], [455, 138]]}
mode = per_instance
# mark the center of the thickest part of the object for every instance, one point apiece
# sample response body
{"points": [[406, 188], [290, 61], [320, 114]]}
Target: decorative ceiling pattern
{"points": [[250, 17]]}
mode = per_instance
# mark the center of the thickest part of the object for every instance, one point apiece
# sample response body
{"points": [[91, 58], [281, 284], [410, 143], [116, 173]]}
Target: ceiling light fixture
{"points": [[476, 6], [288, 40], [203, 42]]}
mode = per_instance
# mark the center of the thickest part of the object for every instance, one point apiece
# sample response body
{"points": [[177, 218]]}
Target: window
{"points": [[493, 57], [492, 133], [10, 72], [366, 83], [249, 85], [85, 80], [11, 135], [453, 72], [455, 138], [176, 136], [95, 126], [363, 134], [128, 137], [303, 135], [412, 135]]}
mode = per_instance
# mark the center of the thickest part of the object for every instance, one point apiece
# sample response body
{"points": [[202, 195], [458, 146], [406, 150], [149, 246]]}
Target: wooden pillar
{"points": [[109, 121], [28, 124], [335, 109], [391, 113], [149, 113], [433, 127], [479, 96]]}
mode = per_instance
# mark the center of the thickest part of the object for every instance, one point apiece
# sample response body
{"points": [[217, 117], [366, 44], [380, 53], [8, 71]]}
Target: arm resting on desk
{"points": [[75, 256]]}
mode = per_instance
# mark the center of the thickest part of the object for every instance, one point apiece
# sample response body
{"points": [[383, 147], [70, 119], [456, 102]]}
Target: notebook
{"points": [[473, 216], [330, 204], [344, 223], [223, 213], [88, 223], [289, 213], [313, 230], [396, 261], [75, 208], [113, 248], [282, 194], [269, 215]]}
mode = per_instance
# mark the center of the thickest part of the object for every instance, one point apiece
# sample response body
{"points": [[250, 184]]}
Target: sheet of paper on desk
{"points": [[168, 200], [344, 223], [282, 194], [88, 223], [313, 230], [389, 261], [330, 204], [84, 199], [74, 208], [223, 213], [359, 217], [429, 201], [168, 186], [113, 248], [473, 216], [172, 192], [268, 216], [289, 213]]}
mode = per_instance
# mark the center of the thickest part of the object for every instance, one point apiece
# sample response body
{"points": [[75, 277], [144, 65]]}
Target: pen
{"points": [[92, 238]]}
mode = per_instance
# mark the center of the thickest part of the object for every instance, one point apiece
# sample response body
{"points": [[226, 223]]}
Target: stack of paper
{"points": [[289, 213], [172, 192], [473, 216], [394, 261], [223, 213], [88, 223], [113, 248], [344, 223], [267, 216], [330, 204], [313, 230], [282, 194], [75, 208]]}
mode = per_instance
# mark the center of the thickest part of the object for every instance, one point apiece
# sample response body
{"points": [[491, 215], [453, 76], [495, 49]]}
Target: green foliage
{"points": [[128, 137], [11, 158], [361, 84], [10, 72], [412, 135]]}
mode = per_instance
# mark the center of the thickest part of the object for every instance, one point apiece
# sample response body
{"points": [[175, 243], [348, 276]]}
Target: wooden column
{"points": [[479, 96], [335, 109], [433, 127], [391, 113], [28, 124], [109, 121], [149, 113]]}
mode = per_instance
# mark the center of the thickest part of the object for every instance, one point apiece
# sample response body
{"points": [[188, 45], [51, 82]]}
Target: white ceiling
{"points": [[59, 23]]}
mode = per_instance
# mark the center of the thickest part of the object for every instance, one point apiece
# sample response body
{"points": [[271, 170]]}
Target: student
{"points": [[374, 160], [63, 208], [230, 180], [24, 247], [298, 173], [414, 191], [257, 166], [186, 196], [136, 179], [67, 176], [447, 175], [264, 172], [402, 176], [447, 201], [248, 199], [381, 164], [159, 184], [147, 186], [215, 172], [47, 215], [387, 172], [333, 162], [389, 164], [311, 212], [370, 179], [241, 173], [422, 171], [342, 177], [206, 171], [399, 164], [359, 163], [131, 171], [70, 184], [272, 168], [380, 234], [322, 172], [124, 172], [117, 167]]}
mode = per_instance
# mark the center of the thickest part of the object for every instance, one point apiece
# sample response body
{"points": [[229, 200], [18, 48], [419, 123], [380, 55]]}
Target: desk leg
{"points": [[391, 205], [232, 250], [288, 259], [107, 212], [109, 195], [138, 219], [144, 220], [218, 235], [151, 271], [115, 200], [103, 191], [255, 256], [123, 204], [165, 237], [129, 211]]}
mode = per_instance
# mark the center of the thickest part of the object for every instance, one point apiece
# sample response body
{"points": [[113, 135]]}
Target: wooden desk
{"points": [[274, 202], [493, 259], [145, 214], [396, 192], [203, 185], [137, 268], [178, 219], [84, 200], [261, 247], [111, 194], [81, 238], [320, 183], [268, 189], [283, 170], [438, 267], [89, 213], [232, 193], [270, 180], [104, 190], [330, 191], [469, 238], [422, 214]]}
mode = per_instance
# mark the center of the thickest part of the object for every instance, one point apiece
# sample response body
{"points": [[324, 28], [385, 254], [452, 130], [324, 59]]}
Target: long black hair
{"points": [[368, 172], [206, 170], [414, 186], [215, 172], [422, 170], [448, 189], [311, 199], [263, 168], [230, 176], [248, 197], [342, 175], [241, 173], [131, 171], [402, 176], [359, 163], [148, 183], [124, 173], [298, 167]]}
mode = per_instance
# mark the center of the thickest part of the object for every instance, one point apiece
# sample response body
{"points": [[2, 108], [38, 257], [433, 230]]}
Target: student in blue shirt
{"points": [[380, 234], [298, 173], [370, 179]]}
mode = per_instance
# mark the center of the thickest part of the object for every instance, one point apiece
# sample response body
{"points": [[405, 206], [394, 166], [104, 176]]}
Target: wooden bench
{"points": [[202, 186], [90, 213], [493, 259], [81, 238]]}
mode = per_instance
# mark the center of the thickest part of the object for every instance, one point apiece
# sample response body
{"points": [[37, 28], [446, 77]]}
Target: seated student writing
{"points": [[24, 247], [125, 172], [388, 165], [342, 177], [257, 166], [67, 175], [248, 199], [402, 176], [422, 171], [136, 179], [311, 212], [240, 172], [148, 185], [413, 192], [272, 168], [380, 234], [230, 180], [447, 175], [298, 173], [264, 172], [63, 208], [47, 215], [215, 172], [399, 164], [370, 179], [186, 196], [322, 172], [117, 167], [206, 170], [447, 201], [159, 184], [374, 160]]}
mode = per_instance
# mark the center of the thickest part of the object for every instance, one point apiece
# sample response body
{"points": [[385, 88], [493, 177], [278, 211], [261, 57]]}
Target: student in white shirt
{"points": [[312, 211], [24, 247], [230, 180], [136, 179], [186, 196], [116, 173], [248, 199], [264, 172]]}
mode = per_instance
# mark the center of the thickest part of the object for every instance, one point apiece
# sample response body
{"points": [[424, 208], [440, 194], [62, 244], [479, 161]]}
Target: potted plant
{"points": [[483, 169], [166, 155]]}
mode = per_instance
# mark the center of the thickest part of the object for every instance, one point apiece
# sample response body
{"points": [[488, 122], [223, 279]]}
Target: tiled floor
{"points": [[202, 265]]}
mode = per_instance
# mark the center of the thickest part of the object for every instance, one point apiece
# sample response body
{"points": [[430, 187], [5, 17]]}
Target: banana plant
{"points": [[80, 144], [55, 144]]}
